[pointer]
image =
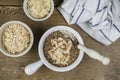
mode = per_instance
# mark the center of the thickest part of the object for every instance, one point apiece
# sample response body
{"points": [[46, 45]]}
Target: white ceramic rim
{"points": [[42, 57], [31, 36], [34, 19]]}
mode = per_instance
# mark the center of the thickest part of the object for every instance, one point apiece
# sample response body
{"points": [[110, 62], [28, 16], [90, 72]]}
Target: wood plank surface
{"points": [[88, 69], [20, 2]]}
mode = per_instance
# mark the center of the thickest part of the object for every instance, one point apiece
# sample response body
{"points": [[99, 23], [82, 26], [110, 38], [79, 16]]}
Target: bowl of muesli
{"points": [[16, 38], [38, 10], [57, 50]]}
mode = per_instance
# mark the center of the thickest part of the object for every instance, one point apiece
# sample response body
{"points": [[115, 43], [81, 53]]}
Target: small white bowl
{"points": [[2, 48], [34, 19]]}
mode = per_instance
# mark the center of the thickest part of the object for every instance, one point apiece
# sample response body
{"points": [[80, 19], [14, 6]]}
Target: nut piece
{"points": [[39, 8], [15, 38], [60, 52]]}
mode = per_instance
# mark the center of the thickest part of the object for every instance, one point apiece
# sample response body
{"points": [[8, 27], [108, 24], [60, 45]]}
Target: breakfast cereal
{"points": [[60, 50], [15, 38], [39, 8]]}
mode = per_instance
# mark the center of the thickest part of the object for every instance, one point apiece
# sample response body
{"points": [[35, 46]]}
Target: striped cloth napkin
{"points": [[98, 18]]}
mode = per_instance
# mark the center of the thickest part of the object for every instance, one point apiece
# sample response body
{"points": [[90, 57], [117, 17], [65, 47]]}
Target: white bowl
{"points": [[43, 58], [34, 19], [3, 50]]}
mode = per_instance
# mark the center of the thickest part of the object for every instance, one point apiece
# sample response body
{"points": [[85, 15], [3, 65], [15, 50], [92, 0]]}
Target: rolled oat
{"points": [[39, 8], [15, 38]]}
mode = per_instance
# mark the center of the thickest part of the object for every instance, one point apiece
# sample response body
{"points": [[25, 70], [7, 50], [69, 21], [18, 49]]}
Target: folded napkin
{"points": [[99, 18]]}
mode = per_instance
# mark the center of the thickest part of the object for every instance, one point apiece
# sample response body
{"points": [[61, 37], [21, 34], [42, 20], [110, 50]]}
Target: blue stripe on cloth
{"points": [[111, 7], [99, 10], [90, 23], [102, 9], [109, 15], [97, 23], [79, 15], [74, 7], [98, 4], [84, 4], [116, 27], [105, 35], [110, 22]]}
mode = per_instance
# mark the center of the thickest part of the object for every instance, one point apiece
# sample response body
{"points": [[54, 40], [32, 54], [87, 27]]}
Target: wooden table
{"points": [[88, 69]]}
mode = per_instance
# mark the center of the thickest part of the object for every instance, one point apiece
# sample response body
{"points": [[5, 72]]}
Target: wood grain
{"points": [[88, 69], [20, 2]]}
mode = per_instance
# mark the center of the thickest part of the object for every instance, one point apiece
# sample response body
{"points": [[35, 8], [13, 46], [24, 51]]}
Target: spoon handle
{"points": [[33, 67], [94, 54]]}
